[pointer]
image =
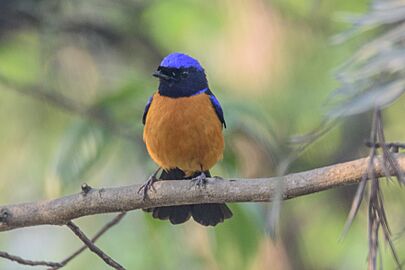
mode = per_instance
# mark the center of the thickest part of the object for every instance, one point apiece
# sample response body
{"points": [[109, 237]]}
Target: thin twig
{"points": [[20, 260], [107, 259], [389, 159], [393, 146], [368, 174], [374, 224], [373, 227], [376, 214], [103, 230]]}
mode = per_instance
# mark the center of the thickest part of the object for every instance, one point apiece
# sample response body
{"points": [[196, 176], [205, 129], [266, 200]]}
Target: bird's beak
{"points": [[161, 75]]}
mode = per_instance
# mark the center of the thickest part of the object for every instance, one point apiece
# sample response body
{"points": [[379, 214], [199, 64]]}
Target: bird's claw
{"points": [[148, 186], [200, 180]]}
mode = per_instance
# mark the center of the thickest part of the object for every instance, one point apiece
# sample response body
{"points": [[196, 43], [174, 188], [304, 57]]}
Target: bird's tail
{"points": [[207, 214]]}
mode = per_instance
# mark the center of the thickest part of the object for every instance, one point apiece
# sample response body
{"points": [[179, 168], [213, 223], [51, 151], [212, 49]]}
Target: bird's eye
{"points": [[184, 74]]}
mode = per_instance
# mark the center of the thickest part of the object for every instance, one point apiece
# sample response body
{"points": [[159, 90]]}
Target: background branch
{"points": [[22, 261], [107, 259], [118, 199], [103, 230]]}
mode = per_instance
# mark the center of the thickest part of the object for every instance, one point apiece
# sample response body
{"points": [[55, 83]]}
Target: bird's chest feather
{"points": [[183, 132]]}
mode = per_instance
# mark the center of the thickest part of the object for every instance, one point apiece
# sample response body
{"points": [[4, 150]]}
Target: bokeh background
{"points": [[74, 79]]}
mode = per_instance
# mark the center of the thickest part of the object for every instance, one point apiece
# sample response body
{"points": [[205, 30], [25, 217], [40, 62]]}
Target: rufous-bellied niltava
{"points": [[183, 135]]}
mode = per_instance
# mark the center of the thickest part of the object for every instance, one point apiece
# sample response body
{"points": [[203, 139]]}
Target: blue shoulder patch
{"points": [[217, 107], [145, 112]]}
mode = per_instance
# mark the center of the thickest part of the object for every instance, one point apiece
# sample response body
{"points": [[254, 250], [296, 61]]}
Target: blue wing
{"points": [[217, 107], [146, 109]]}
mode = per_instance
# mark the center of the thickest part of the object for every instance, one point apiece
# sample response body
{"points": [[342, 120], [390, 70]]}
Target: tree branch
{"points": [[107, 259], [22, 261], [178, 192], [103, 230]]}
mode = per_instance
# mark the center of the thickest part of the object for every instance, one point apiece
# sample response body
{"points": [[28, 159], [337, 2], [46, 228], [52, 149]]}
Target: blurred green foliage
{"points": [[270, 64]]}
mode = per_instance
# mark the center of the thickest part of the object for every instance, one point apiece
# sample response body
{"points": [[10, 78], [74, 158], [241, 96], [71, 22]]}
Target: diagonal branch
{"points": [[178, 192], [107, 259], [103, 230]]}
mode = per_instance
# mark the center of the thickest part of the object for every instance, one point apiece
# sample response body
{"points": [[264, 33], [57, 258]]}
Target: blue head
{"points": [[180, 76]]}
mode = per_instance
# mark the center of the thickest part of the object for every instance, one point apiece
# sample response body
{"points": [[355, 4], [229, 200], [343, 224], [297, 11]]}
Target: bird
{"points": [[183, 124]]}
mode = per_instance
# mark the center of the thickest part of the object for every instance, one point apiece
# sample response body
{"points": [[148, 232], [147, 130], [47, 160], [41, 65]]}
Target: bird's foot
{"points": [[200, 180], [147, 186]]}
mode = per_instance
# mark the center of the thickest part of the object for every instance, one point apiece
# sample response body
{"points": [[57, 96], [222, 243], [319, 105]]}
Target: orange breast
{"points": [[183, 132]]}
